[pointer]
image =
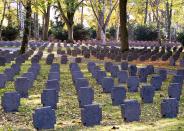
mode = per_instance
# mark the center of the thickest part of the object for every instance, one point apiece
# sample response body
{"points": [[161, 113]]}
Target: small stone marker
{"points": [[85, 96], [10, 101], [169, 108], [107, 84], [22, 85], [133, 83], [131, 110], [122, 76], [147, 94], [118, 95], [156, 82], [44, 118], [175, 90], [49, 97], [2, 80], [91, 115]]}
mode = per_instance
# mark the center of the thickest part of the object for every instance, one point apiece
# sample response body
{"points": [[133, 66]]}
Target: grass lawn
{"points": [[68, 111]]}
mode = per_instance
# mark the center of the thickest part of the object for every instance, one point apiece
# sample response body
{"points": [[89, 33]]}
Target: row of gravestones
{"points": [[9, 73], [45, 118], [169, 106], [175, 57], [115, 53], [91, 114], [10, 101], [17, 44], [7, 57]]}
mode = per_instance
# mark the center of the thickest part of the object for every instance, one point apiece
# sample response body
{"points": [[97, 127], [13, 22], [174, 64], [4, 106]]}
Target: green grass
{"points": [[68, 111]]}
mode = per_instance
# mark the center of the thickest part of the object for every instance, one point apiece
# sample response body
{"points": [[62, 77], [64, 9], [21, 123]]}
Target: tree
{"points": [[99, 14], [68, 17], [27, 22], [123, 25]]}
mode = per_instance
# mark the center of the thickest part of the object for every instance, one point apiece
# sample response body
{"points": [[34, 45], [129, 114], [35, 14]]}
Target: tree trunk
{"points": [[3, 15], [117, 32], [70, 33], [101, 13], [123, 25], [46, 26], [43, 26], [158, 24], [169, 17], [36, 30], [146, 13], [27, 22]]}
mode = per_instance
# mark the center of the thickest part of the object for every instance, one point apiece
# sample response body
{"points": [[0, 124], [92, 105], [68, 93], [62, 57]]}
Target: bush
{"points": [[145, 33], [10, 33], [80, 33], [92, 32], [111, 33], [180, 38]]}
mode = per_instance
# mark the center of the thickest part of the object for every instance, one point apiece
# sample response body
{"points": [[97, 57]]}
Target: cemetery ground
{"points": [[68, 111]]}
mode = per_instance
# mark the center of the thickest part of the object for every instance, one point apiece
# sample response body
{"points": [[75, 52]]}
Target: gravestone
{"points": [[74, 67], [100, 76], [91, 115], [131, 110], [163, 74], [108, 66], [55, 68], [85, 96], [54, 76], [22, 85], [49, 97], [124, 65], [49, 59], [91, 66], [53, 84], [35, 71], [180, 72], [9, 72], [16, 68], [114, 70], [150, 69], [177, 79], [122, 76], [156, 82], [44, 118], [118, 95], [30, 76], [133, 83], [10, 101], [78, 59], [107, 84], [172, 61], [81, 82], [147, 93], [175, 90], [169, 108], [132, 70], [76, 75], [64, 59], [143, 74], [2, 80], [2, 61]]}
